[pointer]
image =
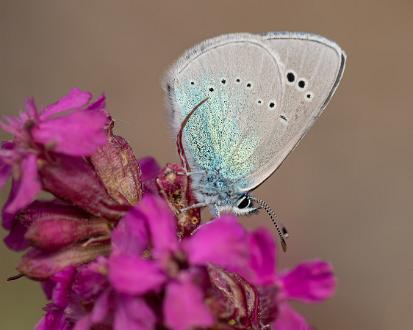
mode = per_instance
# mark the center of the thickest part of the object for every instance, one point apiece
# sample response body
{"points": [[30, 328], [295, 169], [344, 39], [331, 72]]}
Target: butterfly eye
{"points": [[271, 105], [223, 81], [244, 202], [249, 85], [211, 89], [192, 82]]}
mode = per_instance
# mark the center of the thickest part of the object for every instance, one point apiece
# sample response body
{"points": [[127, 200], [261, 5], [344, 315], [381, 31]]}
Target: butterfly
{"points": [[240, 103]]}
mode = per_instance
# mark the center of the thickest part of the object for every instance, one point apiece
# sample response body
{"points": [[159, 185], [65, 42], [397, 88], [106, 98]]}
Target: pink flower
{"points": [[172, 265], [92, 190], [70, 126], [309, 282]]}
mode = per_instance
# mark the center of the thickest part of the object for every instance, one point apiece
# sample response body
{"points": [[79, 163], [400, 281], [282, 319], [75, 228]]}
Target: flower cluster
{"points": [[111, 247]]}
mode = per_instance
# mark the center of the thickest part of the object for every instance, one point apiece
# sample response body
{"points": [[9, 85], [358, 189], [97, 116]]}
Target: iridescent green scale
{"points": [[210, 138]]}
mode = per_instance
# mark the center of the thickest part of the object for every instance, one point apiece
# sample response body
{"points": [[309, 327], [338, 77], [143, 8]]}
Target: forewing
{"points": [[240, 76]]}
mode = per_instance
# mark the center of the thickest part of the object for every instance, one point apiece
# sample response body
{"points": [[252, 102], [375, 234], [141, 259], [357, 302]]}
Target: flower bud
{"points": [[235, 301], [174, 186], [238, 304], [38, 264], [118, 169], [74, 180], [52, 234]]}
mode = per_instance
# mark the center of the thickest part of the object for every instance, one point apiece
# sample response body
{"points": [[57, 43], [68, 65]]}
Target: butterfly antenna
{"points": [[179, 143], [281, 230]]}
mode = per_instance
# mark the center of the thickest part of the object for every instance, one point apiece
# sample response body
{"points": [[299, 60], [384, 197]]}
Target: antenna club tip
{"points": [[284, 245]]}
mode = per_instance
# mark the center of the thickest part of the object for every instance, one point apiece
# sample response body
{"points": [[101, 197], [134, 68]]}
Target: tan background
{"points": [[345, 193]]}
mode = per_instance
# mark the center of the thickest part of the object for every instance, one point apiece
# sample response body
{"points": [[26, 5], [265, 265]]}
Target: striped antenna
{"points": [[281, 230]]}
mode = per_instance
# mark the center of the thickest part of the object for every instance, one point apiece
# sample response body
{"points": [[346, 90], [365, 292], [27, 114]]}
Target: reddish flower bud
{"points": [[173, 185], [40, 211], [40, 265], [233, 299], [48, 210], [52, 234], [238, 304], [268, 308], [118, 169], [74, 180]]}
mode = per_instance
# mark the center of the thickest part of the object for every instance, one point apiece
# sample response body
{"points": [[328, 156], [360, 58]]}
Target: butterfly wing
{"points": [[317, 66], [234, 72], [253, 116]]}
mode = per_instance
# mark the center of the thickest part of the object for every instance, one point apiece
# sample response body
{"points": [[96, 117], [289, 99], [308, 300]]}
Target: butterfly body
{"points": [[242, 103], [213, 189]]}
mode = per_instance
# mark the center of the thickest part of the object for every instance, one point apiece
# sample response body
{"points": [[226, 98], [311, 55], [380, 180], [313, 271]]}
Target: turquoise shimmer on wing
{"points": [[213, 139]]}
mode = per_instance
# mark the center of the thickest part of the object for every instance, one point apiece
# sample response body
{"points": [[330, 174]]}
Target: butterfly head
{"points": [[246, 204], [243, 205]]}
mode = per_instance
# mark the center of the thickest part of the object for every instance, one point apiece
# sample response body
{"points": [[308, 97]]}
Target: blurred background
{"points": [[345, 193]]}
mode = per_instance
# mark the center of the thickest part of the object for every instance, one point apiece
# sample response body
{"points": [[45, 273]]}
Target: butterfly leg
{"points": [[217, 211], [194, 206], [190, 173], [93, 240]]}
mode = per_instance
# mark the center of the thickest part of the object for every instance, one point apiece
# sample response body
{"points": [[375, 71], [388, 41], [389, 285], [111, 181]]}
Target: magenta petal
{"points": [[161, 223], [75, 99], [101, 307], [28, 185], [90, 280], [98, 105], [15, 239], [184, 306], [262, 249], [83, 324], [31, 108], [48, 286], [149, 172], [12, 125], [134, 314], [309, 282], [53, 320], [5, 171], [130, 236], [78, 134], [133, 275], [149, 167], [221, 242], [289, 319], [8, 217], [61, 290]]}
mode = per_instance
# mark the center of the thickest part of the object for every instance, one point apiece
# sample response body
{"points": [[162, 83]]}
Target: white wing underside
{"points": [[250, 123]]}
